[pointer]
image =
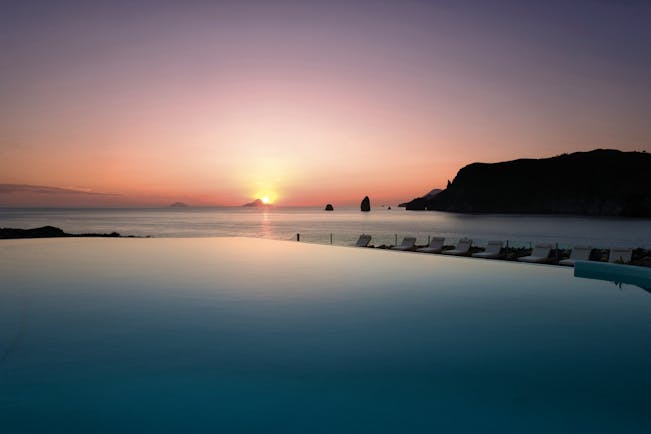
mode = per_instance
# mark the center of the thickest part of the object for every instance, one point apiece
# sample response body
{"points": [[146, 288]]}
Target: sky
{"points": [[145, 103]]}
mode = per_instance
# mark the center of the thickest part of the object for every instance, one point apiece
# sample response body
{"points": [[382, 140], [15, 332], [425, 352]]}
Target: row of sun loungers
{"points": [[435, 246], [539, 254]]}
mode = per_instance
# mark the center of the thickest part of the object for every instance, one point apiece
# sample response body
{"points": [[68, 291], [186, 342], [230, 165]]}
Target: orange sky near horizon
{"points": [[308, 103]]}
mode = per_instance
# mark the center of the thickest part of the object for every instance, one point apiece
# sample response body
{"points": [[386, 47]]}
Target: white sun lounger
{"points": [[493, 249], [540, 254], [435, 246], [408, 243], [579, 253], [462, 248], [622, 255], [363, 240]]}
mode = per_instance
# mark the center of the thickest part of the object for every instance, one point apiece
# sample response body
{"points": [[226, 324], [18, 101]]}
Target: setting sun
{"points": [[267, 196]]}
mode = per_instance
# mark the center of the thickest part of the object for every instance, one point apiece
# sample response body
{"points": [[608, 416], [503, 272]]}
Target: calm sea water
{"points": [[235, 335], [316, 225]]}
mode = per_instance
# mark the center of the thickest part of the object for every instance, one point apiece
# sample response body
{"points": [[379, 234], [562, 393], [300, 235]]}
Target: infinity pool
{"points": [[260, 336]]}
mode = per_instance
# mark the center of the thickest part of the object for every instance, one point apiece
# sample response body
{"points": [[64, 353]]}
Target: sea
{"points": [[339, 227]]}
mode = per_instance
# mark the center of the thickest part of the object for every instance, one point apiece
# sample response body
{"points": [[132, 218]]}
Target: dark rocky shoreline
{"points": [[51, 232]]}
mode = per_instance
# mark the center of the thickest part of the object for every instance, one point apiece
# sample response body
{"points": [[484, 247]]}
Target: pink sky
{"points": [[306, 103]]}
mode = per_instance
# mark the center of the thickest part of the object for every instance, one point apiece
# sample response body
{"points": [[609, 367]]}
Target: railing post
{"points": [[330, 237], [396, 243], [298, 237]]}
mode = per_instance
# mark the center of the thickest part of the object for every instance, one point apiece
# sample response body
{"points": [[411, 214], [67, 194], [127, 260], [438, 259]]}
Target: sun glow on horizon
{"points": [[305, 103], [266, 195]]}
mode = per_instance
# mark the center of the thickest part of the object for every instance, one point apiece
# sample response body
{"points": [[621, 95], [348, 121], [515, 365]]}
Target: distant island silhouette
{"points": [[178, 205], [257, 203], [602, 182], [49, 232]]}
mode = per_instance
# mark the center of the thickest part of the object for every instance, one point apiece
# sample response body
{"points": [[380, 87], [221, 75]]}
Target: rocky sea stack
{"points": [[366, 204], [329, 207], [601, 182]]}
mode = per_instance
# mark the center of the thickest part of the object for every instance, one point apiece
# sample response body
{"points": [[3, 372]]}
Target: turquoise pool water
{"points": [[250, 335]]}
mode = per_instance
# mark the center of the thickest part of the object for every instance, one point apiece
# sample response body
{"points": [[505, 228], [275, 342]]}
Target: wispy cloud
{"points": [[41, 189]]}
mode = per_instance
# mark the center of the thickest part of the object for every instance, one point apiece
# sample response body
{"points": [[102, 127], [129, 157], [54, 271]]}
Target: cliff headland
{"points": [[602, 182]]}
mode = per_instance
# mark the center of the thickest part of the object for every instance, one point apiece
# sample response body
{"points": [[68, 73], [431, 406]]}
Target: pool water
{"points": [[250, 335]]}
